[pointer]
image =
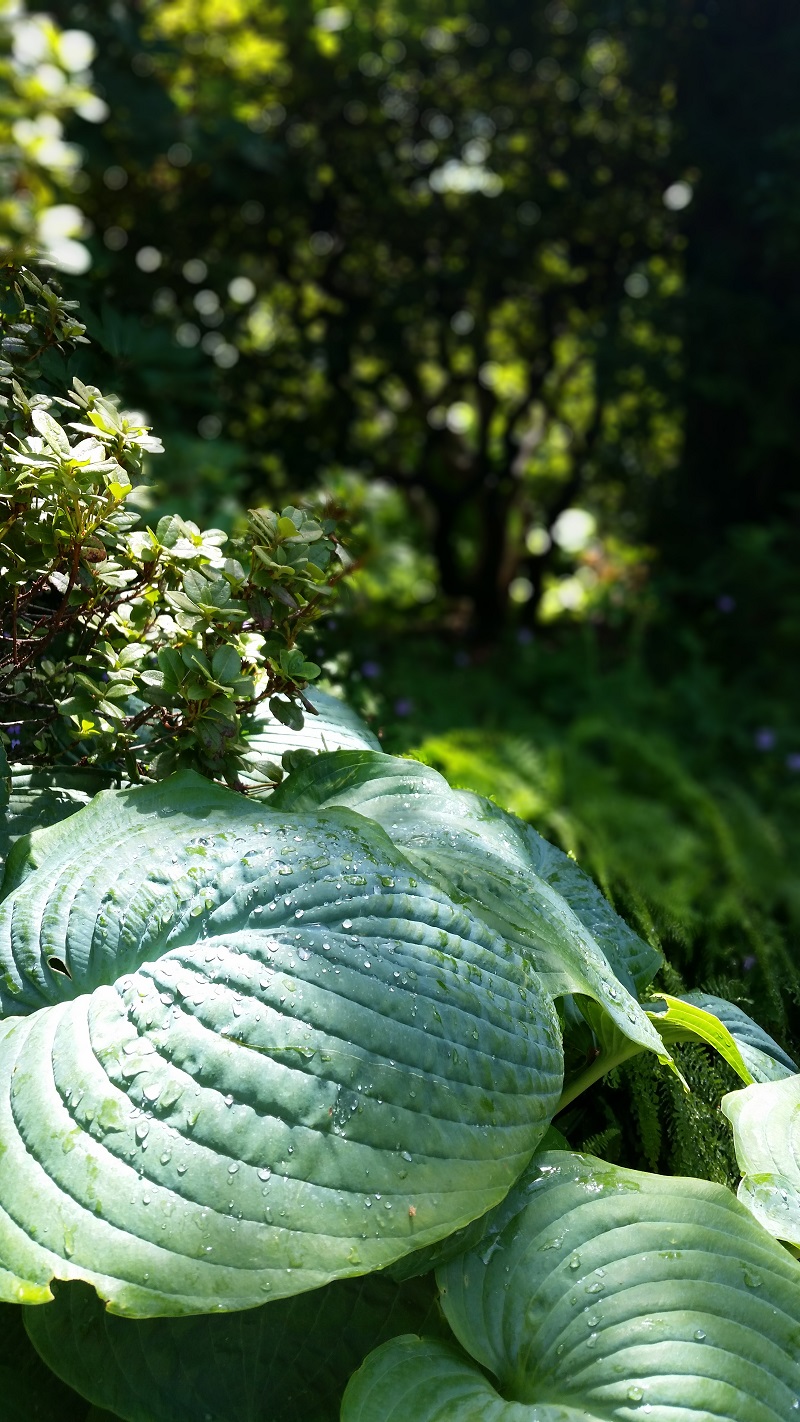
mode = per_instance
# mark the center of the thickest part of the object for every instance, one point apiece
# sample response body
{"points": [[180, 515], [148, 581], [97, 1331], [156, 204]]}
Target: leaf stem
{"points": [[599, 1068]]}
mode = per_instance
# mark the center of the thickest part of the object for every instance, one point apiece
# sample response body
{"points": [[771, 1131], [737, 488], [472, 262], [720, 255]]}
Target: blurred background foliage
{"points": [[513, 287]]}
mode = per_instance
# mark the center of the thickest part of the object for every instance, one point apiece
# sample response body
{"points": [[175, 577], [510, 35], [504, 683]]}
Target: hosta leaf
{"points": [[29, 1391], [287, 1361], [42, 797], [335, 726], [680, 1020], [600, 1295], [412, 1266], [273, 1054], [766, 1134], [677, 1019], [492, 860], [627, 953], [433, 1381], [764, 1059]]}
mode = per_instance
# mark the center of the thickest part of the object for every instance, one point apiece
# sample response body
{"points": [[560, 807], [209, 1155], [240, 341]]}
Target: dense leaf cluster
{"points": [[122, 644], [254, 1053]]}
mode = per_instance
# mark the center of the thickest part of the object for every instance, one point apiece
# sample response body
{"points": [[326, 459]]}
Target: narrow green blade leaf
{"points": [[284, 1362], [764, 1059], [766, 1135], [683, 1021], [602, 1294], [251, 1053], [491, 860]]}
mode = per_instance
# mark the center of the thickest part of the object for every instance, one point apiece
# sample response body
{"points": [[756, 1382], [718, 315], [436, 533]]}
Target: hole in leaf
{"points": [[57, 965]]}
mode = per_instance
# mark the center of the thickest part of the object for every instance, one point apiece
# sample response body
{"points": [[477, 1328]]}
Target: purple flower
{"points": [[14, 733], [793, 761], [403, 706], [726, 603], [764, 738], [370, 669], [748, 963]]}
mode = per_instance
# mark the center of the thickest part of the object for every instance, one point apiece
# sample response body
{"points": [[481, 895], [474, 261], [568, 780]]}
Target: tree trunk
{"points": [[489, 589]]}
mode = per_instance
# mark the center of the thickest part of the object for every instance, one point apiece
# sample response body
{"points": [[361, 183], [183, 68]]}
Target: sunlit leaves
{"points": [[257, 1052], [44, 76], [600, 1293], [766, 1132], [141, 645]]}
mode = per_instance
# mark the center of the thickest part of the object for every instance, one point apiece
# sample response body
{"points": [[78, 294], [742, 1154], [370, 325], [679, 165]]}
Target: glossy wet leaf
{"points": [[766, 1135], [600, 1294], [284, 1362], [764, 1058], [247, 1053], [527, 890], [412, 1266]]}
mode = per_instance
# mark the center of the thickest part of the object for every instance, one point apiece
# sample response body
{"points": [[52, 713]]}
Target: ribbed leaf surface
{"points": [[335, 727], [604, 1295], [766, 1133], [275, 1057], [528, 891], [40, 797]]}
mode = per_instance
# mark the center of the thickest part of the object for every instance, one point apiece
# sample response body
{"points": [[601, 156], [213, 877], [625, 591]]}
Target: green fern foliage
{"points": [[699, 869]]}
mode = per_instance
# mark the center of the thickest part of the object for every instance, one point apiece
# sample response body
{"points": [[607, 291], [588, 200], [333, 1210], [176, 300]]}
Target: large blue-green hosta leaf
{"points": [[29, 1391], [38, 797], [603, 1295], [258, 1052], [335, 727], [531, 893], [287, 1361], [766, 1133]]}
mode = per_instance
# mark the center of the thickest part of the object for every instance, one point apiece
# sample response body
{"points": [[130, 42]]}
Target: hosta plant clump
{"points": [[277, 1084], [289, 1027]]}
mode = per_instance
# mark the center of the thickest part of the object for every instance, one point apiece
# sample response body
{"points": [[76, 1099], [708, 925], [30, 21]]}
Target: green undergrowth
{"points": [[657, 785]]}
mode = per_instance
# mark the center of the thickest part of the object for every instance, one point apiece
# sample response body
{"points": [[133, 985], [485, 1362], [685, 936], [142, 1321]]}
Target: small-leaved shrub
{"points": [[124, 647]]}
